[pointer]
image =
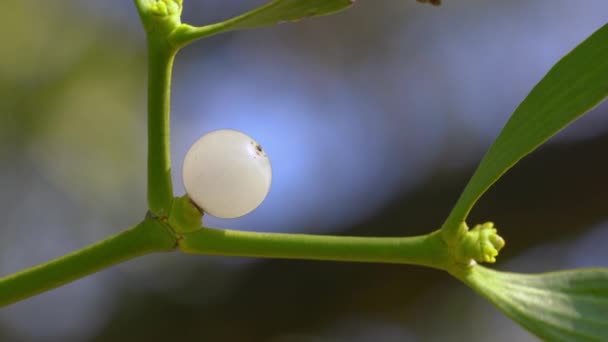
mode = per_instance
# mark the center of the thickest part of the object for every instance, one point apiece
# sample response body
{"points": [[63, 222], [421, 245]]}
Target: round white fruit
{"points": [[227, 173]]}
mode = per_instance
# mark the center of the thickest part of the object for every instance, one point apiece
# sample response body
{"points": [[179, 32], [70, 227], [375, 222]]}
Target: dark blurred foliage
{"points": [[374, 120]]}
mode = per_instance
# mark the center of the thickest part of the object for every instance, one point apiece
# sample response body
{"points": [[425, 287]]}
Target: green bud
{"points": [[481, 244]]}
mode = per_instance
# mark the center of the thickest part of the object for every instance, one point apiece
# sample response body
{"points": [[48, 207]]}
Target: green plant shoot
{"points": [[562, 306]]}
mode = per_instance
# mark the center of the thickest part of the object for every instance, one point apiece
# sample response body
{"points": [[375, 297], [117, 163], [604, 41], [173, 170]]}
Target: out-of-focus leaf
{"points": [[285, 10], [557, 306], [576, 84], [274, 12]]}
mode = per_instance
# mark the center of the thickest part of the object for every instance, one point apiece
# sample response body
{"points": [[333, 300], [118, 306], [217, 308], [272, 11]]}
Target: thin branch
{"points": [[147, 237], [426, 250]]}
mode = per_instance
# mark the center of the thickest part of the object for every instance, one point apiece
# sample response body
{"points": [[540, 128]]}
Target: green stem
{"points": [[454, 227], [426, 250], [160, 63], [147, 237]]}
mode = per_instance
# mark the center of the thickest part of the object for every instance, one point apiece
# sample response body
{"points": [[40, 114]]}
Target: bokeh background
{"points": [[374, 119]]}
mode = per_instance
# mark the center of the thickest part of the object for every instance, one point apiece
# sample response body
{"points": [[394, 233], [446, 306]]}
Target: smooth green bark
{"points": [[147, 237], [426, 250], [160, 64]]}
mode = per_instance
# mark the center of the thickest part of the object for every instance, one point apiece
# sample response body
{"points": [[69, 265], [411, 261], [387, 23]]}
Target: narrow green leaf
{"points": [[286, 10], [576, 84], [273, 13], [557, 306]]}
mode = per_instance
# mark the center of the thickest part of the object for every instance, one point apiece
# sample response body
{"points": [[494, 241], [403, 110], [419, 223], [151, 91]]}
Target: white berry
{"points": [[226, 173]]}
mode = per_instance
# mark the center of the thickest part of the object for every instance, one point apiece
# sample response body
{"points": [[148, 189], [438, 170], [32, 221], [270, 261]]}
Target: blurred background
{"points": [[374, 120]]}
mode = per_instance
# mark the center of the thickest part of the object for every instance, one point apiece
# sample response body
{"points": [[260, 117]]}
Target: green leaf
{"points": [[576, 84], [557, 306], [273, 13], [286, 10]]}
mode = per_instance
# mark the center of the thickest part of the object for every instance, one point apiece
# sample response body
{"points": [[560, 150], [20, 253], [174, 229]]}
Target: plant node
{"points": [[185, 216]]}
